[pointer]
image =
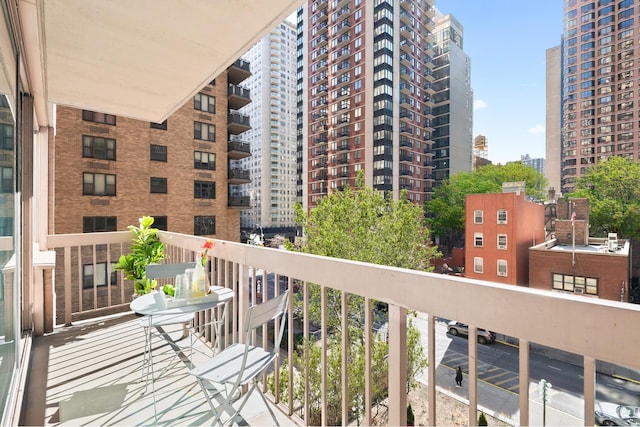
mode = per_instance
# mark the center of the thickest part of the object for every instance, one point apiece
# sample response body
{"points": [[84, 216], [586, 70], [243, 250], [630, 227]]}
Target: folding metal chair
{"points": [[240, 364]]}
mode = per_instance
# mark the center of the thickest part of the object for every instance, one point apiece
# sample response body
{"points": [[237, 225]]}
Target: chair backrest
{"points": [[259, 314], [159, 271]]}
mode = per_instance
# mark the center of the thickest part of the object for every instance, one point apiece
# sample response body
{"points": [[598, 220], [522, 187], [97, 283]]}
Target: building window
{"points": [[477, 240], [502, 268], [161, 126], [6, 180], [159, 185], [204, 225], [502, 216], [204, 102], [158, 153], [98, 184], [575, 284], [204, 190], [478, 216], [96, 224], [502, 241], [477, 265], [202, 160], [160, 222], [98, 148], [100, 276], [204, 131], [92, 116], [6, 135], [6, 226]]}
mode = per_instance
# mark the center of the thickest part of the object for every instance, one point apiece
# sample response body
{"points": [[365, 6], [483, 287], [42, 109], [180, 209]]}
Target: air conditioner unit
{"points": [[578, 291], [612, 241]]}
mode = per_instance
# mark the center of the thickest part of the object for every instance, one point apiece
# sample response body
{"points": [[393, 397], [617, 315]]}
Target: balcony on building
{"points": [[82, 362], [239, 202], [239, 71], [407, 19], [238, 96], [238, 123], [238, 176], [238, 149], [406, 115], [406, 142], [406, 157]]}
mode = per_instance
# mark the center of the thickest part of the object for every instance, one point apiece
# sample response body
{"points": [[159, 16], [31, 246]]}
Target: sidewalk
{"points": [[505, 405]]}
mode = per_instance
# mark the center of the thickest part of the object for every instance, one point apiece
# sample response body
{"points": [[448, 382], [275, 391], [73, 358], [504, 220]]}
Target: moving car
{"points": [[457, 328], [612, 414]]}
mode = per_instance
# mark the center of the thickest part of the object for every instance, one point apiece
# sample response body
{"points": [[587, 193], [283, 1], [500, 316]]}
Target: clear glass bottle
{"points": [[199, 287]]}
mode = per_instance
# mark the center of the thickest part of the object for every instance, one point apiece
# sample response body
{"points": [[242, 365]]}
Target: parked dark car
{"points": [[458, 328], [612, 414]]}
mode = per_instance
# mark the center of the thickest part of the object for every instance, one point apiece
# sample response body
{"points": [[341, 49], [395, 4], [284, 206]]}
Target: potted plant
{"points": [[146, 248], [410, 416]]}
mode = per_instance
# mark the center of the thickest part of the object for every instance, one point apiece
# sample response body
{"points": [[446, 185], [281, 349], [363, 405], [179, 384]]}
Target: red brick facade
{"points": [[522, 228], [610, 269]]}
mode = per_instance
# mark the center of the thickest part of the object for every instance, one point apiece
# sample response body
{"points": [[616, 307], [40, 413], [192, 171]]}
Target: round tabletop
{"points": [[153, 304]]}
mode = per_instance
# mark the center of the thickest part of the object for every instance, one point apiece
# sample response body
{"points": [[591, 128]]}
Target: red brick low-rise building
{"points": [[500, 229], [575, 263]]}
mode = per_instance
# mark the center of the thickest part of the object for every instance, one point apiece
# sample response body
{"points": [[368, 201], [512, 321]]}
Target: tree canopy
{"points": [[446, 208], [362, 224], [613, 189]]}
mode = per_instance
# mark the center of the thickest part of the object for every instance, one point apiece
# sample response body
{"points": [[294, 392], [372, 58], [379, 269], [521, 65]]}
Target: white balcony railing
{"points": [[596, 330]]}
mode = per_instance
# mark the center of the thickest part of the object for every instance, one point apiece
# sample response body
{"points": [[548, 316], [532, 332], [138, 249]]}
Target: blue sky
{"points": [[507, 42]]}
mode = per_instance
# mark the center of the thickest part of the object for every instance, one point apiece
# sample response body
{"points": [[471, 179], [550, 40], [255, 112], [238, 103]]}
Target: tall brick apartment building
{"points": [[108, 171]]}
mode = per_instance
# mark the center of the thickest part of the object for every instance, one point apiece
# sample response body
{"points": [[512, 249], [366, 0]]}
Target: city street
{"points": [[498, 378]]}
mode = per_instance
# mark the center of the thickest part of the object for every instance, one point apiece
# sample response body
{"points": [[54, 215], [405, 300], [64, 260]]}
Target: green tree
{"points": [[364, 225], [447, 207], [613, 189]]}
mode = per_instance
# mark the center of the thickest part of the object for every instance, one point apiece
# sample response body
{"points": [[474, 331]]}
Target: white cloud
{"points": [[536, 129], [479, 105]]}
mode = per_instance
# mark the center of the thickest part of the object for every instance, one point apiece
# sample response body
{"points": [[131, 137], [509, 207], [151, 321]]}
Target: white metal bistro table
{"points": [[152, 305]]}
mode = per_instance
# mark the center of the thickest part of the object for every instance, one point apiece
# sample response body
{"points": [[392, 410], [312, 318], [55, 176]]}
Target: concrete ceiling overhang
{"points": [[141, 59]]}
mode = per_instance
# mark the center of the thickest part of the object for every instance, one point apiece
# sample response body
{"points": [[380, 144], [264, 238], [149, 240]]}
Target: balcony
{"points": [[88, 371], [238, 123], [241, 202], [238, 96], [237, 150], [239, 71], [238, 176]]}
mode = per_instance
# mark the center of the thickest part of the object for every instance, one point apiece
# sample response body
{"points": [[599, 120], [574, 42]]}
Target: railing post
{"points": [[473, 375], [589, 390], [524, 382], [397, 365], [431, 392]]}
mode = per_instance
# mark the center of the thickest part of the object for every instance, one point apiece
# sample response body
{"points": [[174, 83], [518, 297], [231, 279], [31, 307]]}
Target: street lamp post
{"points": [[545, 390]]}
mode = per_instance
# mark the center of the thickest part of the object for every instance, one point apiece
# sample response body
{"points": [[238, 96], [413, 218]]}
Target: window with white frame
{"points": [[502, 268], [477, 240], [477, 264], [502, 241], [502, 216], [575, 284], [478, 216]]}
